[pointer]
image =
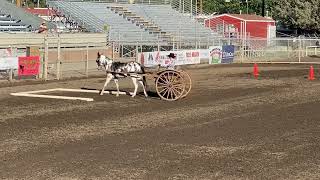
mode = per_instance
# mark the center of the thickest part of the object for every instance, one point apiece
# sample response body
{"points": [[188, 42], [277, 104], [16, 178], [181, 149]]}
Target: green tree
{"points": [[234, 6], [303, 15], [221, 6]]}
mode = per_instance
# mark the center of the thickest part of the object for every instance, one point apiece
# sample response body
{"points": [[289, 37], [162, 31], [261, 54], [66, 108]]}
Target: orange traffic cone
{"points": [[311, 73], [255, 70]]}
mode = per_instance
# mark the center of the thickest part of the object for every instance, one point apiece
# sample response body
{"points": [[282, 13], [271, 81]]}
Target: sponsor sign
{"points": [[215, 53], [221, 54], [227, 54], [183, 57], [204, 54], [29, 65]]}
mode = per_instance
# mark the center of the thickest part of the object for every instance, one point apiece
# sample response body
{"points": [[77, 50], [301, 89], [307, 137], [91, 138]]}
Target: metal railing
{"points": [[88, 20], [20, 14]]}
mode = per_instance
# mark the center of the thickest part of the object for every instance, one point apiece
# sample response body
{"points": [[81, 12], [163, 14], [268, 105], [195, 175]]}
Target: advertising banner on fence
{"points": [[204, 53], [221, 54], [227, 54], [8, 63], [149, 59], [29, 65], [215, 53]]}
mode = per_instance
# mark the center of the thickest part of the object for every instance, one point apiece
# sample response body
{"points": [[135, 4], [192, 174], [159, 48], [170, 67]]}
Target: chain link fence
{"points": [[286, 50]]}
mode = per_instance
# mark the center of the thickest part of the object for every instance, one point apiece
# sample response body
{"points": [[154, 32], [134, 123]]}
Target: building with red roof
{"points": [[243, 25]]}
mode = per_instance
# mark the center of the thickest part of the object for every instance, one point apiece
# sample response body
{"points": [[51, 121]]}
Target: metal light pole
{"points": [[247, 6], [201, 7], [195, 24], [263, 7], [191, 9]]}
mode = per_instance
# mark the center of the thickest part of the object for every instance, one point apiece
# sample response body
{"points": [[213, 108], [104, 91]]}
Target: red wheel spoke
{"points": [[163, 79], [178, 85], [163, 90], [167, 79], [174, 92], [164, 93], [177, 90], [172, 85], [170, 77], [168, 93], [181, 88], [163, 84]]}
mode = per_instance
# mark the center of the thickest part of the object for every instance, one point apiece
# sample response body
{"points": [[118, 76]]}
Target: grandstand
{"points": [[132, 23], [15, 19]]}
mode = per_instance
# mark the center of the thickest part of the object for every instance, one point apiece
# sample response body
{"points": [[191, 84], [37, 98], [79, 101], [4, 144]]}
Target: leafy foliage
{"points": [[298, 14], [234, 6], [303, 15]]}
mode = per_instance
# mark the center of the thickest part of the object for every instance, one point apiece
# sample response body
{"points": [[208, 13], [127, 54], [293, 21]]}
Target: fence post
{"points": [[46, 54], [87, 61], [173, 44], [137, 52], [299, 49], [10, 74], [241, 52], [59, 58], [306, 52], [288, 51], [122, 51], [113, 51], [158, 43]]}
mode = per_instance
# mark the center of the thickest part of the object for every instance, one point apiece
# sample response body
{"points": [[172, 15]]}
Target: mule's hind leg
{"points": [[143, 83], [108, 79], [135, 83], [117, 85]]}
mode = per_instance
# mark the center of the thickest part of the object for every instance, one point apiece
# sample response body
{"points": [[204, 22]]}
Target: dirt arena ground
{"points": [[231, 126]]}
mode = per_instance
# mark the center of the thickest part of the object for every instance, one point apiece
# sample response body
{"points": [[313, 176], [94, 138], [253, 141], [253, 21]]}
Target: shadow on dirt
{"points": [[150, 93]]}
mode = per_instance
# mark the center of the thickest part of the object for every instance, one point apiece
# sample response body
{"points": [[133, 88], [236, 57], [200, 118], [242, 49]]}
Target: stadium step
{"points": [[141, 22]]}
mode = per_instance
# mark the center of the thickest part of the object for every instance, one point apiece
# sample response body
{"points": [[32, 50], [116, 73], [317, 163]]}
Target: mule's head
{"points": [[98, 60]]}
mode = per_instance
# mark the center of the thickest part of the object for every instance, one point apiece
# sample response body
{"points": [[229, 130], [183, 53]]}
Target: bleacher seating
{"points": [[172, 21], [14, 19], [95, 15], [7, 24]]}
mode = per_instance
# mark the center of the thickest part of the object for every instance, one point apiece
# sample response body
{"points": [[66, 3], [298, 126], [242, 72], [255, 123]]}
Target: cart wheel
{"points": [[187, 81], [170, 85]]}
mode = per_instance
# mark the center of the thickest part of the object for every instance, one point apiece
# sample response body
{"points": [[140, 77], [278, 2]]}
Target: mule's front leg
{"points": [[117, 85], [135, 83], [108, 79], [143, 83]]}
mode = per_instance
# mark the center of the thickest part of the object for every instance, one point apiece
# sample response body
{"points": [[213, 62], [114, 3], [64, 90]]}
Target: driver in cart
{"points": [[171, 64]]}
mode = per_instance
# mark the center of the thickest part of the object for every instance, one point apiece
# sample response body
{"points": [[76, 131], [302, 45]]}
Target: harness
{"points": [[107, 64]]}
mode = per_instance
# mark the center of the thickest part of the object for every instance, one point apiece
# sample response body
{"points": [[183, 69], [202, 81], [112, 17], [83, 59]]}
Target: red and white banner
{"points": [[183, 57], [29, 65]]}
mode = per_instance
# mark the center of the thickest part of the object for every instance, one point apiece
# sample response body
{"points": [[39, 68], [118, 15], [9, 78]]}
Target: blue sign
{"points": [[227, 54]]}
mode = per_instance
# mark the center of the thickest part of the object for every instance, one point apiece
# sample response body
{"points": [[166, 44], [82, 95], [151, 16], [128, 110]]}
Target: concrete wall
{"points": [[32, 39], [79, 54]]}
